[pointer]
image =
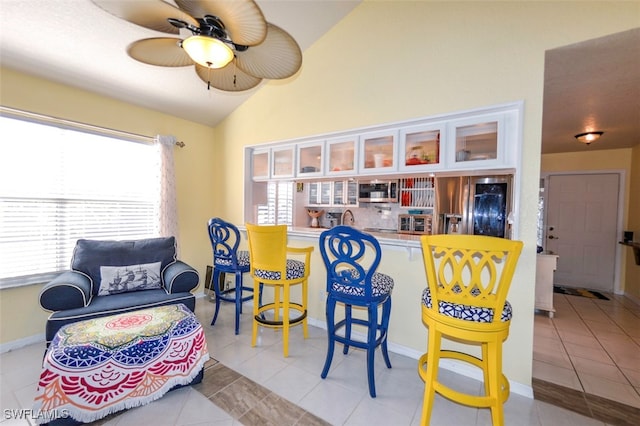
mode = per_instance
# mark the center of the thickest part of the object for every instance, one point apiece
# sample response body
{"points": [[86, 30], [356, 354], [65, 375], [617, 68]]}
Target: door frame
{"points": [[622, 192]]}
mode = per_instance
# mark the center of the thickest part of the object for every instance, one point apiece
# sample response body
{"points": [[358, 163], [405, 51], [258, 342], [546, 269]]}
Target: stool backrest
{"points": [[351, 258], [472, 270], [268, 248], [225, 239]]}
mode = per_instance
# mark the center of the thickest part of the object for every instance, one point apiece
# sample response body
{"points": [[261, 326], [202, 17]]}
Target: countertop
{"points": [[384, 238]]}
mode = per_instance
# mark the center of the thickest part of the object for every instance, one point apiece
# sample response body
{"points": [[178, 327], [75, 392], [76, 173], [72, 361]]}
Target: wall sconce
{"points": [[588, 137]]}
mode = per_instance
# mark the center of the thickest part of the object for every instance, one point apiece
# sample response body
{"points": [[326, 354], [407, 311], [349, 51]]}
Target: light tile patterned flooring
{"points": [[341, 399], [591, 345]]}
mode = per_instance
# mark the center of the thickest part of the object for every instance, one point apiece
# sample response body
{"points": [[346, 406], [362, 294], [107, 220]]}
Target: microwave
{"points": [[378, 191], [414, 224]]}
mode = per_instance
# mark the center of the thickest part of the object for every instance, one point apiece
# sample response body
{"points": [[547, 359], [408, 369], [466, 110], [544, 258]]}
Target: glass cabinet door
{"points": [[338, 193], [325, 193], [420, 147], [378, 151], [260, 164], [341, 156], [310, 159], [477, 140], [282, 165], [313, 193], [352, 193]]}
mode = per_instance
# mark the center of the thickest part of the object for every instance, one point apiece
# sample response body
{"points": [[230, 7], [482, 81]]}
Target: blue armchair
{"points": [[112, 277]]}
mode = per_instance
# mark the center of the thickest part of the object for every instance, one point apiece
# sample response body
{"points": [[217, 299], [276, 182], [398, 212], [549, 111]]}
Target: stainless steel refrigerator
{"points": [[477, 205]]}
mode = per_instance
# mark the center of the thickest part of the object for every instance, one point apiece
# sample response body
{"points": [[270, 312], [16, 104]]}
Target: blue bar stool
{"points": [[351, 258], [227, 259]]}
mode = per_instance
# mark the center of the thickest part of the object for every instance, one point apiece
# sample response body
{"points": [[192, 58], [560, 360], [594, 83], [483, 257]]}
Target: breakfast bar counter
{"points": [[384, 238]]}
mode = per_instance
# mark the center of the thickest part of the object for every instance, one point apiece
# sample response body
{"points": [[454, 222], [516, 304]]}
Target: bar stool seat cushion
{"points": [[295, 270], [467, 312], [381, 284], [242, 258]]}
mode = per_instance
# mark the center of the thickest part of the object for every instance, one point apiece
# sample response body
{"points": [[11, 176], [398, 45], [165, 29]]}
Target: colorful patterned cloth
{"points": [[97, 367]]}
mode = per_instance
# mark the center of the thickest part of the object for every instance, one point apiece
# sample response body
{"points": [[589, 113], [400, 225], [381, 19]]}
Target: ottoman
{"points": [[100, 366]]}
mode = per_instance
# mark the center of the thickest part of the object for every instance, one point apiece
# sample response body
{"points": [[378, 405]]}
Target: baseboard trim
{"points": [[20, 343]]}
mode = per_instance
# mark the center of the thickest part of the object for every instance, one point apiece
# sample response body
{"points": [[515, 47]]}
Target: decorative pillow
{"points": [[122, 279]]}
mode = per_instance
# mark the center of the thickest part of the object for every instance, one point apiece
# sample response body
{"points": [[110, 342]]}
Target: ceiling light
{"points": [[588, 137], [208, 51]]}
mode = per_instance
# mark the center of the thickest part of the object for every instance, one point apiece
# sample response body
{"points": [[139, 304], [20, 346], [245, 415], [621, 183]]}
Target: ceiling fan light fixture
{"points": [[208, 51], [588, 137]]}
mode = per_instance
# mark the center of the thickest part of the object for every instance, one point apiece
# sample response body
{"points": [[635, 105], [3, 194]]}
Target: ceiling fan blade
{"points": [[229, 78], [243, 19], [279, 56], [150, 14], [161, 51]]}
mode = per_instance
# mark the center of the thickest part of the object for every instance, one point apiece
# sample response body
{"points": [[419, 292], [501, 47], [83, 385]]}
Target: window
{"points": [[279, 207], [61, 184]]}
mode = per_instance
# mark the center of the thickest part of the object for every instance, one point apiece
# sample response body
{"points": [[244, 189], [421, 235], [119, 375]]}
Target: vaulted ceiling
{"points": [[591, 85]]}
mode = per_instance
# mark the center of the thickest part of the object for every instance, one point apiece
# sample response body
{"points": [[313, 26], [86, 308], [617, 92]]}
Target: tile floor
{"points": [[262, 381], [591, 346]]}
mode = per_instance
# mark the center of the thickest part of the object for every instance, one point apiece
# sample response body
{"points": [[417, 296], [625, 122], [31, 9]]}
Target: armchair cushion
{"points": [[68, 290], [90, 255], [179, 277]]}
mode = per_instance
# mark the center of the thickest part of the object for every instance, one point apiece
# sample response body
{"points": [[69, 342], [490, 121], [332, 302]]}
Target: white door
{"points": [[581, 229]]}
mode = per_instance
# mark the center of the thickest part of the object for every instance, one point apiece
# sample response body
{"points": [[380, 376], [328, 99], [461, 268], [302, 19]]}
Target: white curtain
{"points": [[168, 210]]}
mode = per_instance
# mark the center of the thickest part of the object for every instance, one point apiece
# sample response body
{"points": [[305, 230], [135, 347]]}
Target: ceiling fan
{"points": [[230, 43]]}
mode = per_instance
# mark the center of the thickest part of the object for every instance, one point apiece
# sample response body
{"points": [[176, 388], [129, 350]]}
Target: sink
{"points": [[385, 230]]}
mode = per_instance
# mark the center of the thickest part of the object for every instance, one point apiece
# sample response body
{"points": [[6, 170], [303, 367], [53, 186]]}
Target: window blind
{"points": [[61, 184], [279, 207]]}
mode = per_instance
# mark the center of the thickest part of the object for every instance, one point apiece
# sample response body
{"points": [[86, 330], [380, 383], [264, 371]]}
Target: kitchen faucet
{"points": [[347, 218]]}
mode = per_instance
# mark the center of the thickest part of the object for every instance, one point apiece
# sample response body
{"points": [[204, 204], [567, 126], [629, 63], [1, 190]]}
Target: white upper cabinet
{"points": [[341, 156], [282, 162], [422, 147], [477, 141], [378, 152], [482, 139], [260, 164], [310, 159]]}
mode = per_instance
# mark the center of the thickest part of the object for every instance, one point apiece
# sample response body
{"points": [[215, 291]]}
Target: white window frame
{"points": [[39, 228]]}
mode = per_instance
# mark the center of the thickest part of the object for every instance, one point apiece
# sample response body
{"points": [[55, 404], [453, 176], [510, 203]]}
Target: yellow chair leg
{"points": [[485, 368], [285, 321], [494, 358], [305, 295], [431, 375]]}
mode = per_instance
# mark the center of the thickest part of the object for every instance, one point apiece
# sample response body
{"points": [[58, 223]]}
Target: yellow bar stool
{"points": [[468, 279], [274, 264]]}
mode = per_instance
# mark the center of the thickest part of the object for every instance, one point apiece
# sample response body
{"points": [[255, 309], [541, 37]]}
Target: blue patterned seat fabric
{"points": [[243, 259], [295, 269], [467, 312], [381, 284]]}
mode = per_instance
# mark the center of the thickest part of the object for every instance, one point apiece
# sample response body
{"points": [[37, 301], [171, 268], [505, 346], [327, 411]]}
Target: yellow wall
{"points": [[20, 315], [391, 61], [632, 271], [386, 61]]}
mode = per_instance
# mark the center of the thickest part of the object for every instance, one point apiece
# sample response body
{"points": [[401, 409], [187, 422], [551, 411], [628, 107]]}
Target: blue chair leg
{"points": [[238, 294], [331, 330], [371, 348], [216, 286], [386, 313], [347, 327]]}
